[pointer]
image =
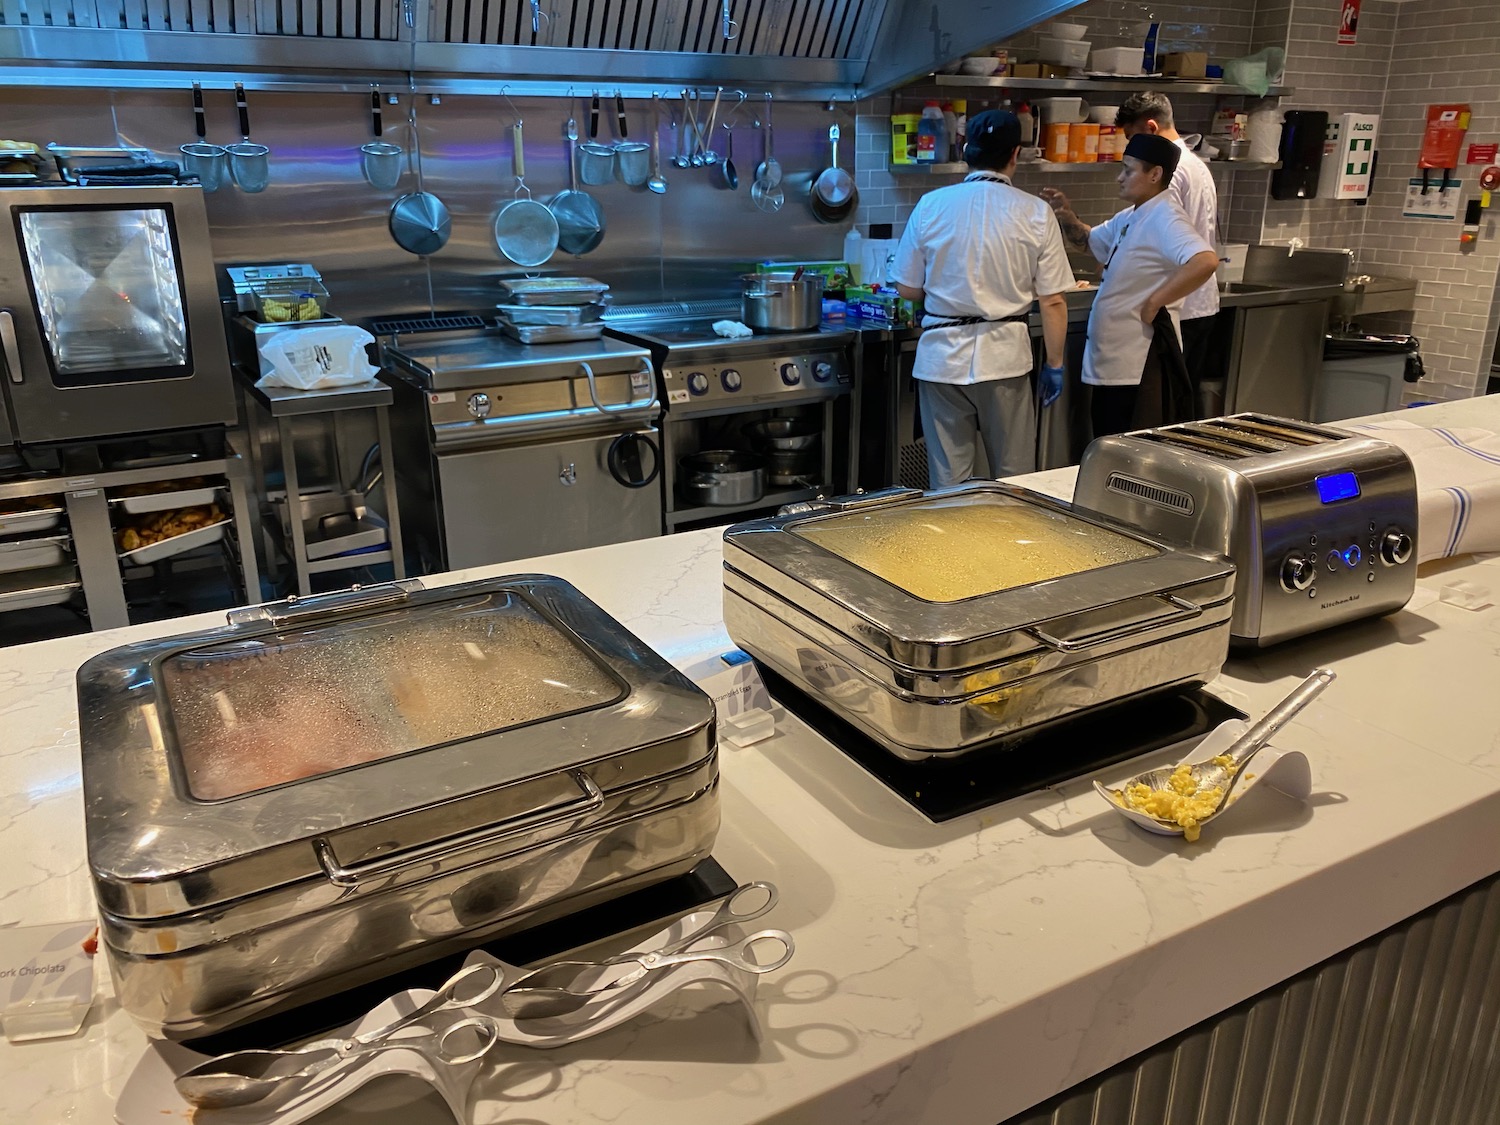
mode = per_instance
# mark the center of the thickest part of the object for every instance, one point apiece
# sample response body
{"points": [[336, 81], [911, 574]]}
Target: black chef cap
{"points": [[1156, 150], [991, 138]]}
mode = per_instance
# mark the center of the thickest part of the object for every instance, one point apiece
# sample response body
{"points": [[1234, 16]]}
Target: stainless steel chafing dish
{"points": [[941, 620], [329, 790]]}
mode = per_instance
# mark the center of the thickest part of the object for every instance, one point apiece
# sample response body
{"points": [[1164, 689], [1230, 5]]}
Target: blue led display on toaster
{"points": [[1337, 486]]}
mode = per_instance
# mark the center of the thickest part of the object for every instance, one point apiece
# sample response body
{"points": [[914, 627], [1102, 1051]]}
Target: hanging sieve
{"points": [[419, 221], [525, 230], [580, 218]]}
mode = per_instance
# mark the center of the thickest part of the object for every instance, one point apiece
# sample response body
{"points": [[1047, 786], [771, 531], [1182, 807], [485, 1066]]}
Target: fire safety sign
{"points": [[1348, 22]]}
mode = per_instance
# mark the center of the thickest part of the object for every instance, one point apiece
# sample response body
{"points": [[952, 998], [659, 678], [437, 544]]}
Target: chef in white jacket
{"points": [[1153, 258]]}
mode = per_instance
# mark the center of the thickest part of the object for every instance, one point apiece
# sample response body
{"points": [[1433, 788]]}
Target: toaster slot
{"points": [[1176, 436], [1247, 440], [1281, 429]]}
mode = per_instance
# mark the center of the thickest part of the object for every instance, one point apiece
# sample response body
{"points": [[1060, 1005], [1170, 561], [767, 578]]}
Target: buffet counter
{"points": [[948, 974]]}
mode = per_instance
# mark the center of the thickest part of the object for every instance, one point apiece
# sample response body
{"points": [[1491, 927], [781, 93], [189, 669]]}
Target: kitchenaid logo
{"points": [[1340, 601]]}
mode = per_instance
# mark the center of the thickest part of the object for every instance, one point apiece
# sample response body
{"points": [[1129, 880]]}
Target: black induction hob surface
{"points": [[705, 883], [949, 787]]}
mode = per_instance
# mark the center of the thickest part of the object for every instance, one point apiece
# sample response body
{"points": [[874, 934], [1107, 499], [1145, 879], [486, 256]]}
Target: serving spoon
{"points": [[1224, 770]]}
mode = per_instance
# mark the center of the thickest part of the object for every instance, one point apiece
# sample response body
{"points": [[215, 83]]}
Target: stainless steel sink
{"points": [[1247, 287]]}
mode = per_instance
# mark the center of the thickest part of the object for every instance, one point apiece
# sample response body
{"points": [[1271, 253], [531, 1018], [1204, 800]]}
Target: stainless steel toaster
{"points": [[1320, 523]]}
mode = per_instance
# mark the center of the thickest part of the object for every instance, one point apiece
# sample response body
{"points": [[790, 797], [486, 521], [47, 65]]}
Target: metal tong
{"points": [[566, 986]]}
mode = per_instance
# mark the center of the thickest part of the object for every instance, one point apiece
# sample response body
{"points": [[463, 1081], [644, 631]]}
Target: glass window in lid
{"points": [[251, 714], [948, 548]]}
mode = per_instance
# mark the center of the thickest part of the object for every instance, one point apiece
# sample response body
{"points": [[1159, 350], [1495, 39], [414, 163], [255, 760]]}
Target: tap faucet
{"points": [[1293, 246]]}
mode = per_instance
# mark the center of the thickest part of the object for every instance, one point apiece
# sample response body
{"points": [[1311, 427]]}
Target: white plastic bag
{"points": [[312, 359]]}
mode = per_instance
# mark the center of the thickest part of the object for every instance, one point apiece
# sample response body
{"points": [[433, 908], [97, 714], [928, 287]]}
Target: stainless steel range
{"points": [[716, 389], [506, 450]]}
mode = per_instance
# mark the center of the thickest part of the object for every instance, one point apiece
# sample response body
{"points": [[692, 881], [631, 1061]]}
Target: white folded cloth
{"points": [[1458, 485], [733, 329]]}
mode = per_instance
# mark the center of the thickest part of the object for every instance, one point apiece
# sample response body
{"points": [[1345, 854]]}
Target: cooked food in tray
{"points": [[277, 709], [181, 484], [967, 546], [29, 504], [167, 525]]}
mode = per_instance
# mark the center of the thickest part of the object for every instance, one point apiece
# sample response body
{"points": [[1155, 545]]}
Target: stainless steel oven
{"points": [[506, 451], [737, 395], [109, 314]]}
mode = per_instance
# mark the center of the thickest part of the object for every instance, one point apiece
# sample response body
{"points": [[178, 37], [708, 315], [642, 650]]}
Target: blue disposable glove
{"points": [[1052, 383]]}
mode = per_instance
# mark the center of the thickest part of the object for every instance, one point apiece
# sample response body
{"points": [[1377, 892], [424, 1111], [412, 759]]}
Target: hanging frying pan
{"points": [[419, 221], [526, 231], [833, 196], [580, 218]]}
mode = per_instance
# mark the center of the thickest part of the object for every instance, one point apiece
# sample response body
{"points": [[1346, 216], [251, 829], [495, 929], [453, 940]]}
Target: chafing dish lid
{"points": [[956, 577], [946, 548], [215, 762]]}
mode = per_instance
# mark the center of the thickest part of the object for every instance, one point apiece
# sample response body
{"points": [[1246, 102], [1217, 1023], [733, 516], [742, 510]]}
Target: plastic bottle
{"points": [[950, 132], [931, 142], [1028, 125], [854, 249]]}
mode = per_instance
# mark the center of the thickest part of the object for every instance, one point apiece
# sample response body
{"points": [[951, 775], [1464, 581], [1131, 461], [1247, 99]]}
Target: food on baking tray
{"points": [[29, 504], [149, 488], [271, 710], [166, 525], [948, 551]]}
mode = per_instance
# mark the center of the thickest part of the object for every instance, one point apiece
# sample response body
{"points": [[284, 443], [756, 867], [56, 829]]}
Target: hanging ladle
{"points": [[657, 182], [731, 177]]}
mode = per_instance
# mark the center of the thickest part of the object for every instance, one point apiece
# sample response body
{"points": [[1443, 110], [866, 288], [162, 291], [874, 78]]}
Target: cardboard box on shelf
{"points": [[1026, 70], [1185, 64]]}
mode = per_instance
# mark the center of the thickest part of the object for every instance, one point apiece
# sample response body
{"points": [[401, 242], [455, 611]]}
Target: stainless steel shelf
{"points": [[770, 500], [1177, 85], [1070, 167]]}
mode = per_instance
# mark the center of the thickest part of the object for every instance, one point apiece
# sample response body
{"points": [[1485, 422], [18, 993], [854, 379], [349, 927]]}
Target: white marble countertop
{"points": [[948, 974]]}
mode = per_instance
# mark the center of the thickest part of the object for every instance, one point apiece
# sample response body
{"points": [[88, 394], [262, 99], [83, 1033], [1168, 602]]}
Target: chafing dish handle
{"points": [[341, 876], [352, 600], [1182, 610], [852, 502]]}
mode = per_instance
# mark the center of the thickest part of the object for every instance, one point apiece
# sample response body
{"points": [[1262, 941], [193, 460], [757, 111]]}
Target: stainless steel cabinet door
{"points": [[519, 501], [1278, 353]]}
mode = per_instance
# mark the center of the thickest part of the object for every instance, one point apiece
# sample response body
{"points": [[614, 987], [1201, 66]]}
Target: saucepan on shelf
{"points": [[722, 477]]}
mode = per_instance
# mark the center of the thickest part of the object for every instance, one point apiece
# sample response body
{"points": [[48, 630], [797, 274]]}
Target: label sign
{"points": [[737, 689], [46, 979], [1348, 22], [1483, 154], [1436, 204]]}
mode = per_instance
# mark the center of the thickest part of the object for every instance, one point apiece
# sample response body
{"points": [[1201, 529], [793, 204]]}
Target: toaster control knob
{"points": [[1298, 572], [479, 405], [1395, 547]]}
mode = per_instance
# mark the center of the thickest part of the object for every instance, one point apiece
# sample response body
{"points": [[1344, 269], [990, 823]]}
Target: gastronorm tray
{"points": [[552, 314], [552, 290], [28, 554], [552, 333], [165, 501], [37, 519], [29, 589], [176, 545]]}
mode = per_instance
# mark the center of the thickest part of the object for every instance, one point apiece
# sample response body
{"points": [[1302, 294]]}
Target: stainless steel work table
{"points": [[283, 405]]}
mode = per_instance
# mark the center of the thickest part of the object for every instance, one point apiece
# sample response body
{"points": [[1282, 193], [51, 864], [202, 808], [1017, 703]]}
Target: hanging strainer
{"points": [[525, 230]]}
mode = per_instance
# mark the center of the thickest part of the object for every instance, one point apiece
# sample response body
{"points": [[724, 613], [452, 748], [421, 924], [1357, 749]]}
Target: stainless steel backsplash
{"points": [[691, 241]]}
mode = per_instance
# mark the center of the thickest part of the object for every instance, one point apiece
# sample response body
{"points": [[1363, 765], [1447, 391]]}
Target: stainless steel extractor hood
{"points": [[800, 48]]}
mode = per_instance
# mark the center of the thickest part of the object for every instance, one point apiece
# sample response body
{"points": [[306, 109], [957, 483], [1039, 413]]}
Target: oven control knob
{"points": [[1298, 572], [791, 374], [823, 371], [730, 378], [1395, 547], [479, 404], [698, 383]]}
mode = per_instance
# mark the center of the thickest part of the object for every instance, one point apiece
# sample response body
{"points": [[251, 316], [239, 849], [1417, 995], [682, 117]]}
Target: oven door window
{"points": [[107, 287]]}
